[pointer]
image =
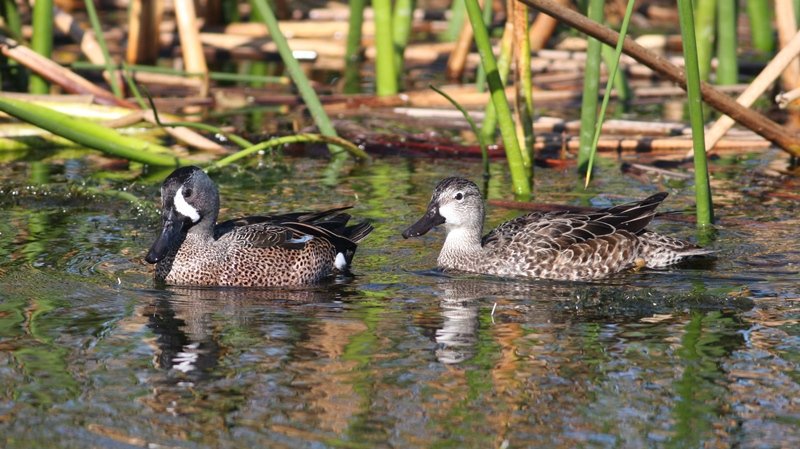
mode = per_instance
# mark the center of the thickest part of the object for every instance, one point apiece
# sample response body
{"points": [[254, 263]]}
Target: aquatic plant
{"points": [[41, 42], [705, 212], [519, 175]]}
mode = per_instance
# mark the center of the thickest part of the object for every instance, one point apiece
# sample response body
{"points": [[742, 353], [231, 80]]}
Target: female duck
{"points": [[278, 250], [551, 245]]}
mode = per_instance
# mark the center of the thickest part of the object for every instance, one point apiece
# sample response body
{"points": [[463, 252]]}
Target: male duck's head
{"points": [[456, 203], [188, 198]]}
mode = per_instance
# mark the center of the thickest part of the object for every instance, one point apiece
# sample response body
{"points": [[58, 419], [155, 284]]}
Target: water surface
{"points": [[92, 355]]}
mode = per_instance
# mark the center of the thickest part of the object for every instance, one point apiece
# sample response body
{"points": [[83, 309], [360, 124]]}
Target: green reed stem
{"points": [[472, 124], [91, 134], [456, 23], [297, 138], [519, 179], [401, 30], [526, 85], [728, 66], [41, 42], [133, 88], [385, 71], [612, 74], [591, 88], [489, 125], [17, 75], [705, 211], [101, 42], [353, 57], [621, 85], [761, 30], [705, 30], [296, 73], [480, 76], [10, 13]]}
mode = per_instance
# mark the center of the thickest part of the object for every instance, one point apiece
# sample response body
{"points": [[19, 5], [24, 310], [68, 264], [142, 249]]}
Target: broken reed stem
{"points": [[758, 86]]}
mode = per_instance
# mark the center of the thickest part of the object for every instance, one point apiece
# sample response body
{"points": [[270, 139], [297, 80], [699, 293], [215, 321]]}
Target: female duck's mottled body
{"points": [[551, 245], [277, 250]]}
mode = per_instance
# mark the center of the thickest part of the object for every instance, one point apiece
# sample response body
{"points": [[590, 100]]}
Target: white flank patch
{"points": [[185, 208], [302, 239], [340, 263]]}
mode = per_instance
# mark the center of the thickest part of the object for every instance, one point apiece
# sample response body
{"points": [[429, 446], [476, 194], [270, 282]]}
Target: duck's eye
{"points": [[187, 192], [459, 196]]}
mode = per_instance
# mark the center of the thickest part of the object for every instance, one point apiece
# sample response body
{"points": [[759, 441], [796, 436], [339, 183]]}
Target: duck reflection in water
{"points": [[188, 320]]}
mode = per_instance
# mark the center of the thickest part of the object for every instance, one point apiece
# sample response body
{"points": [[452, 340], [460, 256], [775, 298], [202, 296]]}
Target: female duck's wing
{"points": [[559, 230]]}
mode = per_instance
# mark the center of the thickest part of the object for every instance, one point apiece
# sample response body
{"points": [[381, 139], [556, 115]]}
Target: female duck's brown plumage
{"points": [[552, 245], [277, 250]]}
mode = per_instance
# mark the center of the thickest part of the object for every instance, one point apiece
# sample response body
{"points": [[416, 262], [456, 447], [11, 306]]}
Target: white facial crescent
{"points": [[185, 208]]}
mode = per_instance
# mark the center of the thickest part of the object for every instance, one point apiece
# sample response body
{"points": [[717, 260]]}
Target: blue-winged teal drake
{"points": [[277, 250], [552, 245]]}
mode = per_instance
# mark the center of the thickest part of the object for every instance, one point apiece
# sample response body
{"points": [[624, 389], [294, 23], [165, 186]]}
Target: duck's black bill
{"points": [[169, 233], [430, 220]]}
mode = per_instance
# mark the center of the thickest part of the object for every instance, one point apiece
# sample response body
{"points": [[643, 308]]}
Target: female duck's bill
{"points": [[430, 220], [553, 245], [271, 250]]}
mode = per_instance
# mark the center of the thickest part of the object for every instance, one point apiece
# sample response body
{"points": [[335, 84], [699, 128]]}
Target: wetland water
{"points": [[91, 355]]}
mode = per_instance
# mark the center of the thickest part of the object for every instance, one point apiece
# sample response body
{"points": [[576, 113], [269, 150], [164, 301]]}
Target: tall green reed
{"points": [[402, 21], [705, 211], [353, 52], [727, 42], [705, 30], [591, 88], [612, 74], [385, 71], [480, 76], [761, 29], [519, 178], [42, 41]]}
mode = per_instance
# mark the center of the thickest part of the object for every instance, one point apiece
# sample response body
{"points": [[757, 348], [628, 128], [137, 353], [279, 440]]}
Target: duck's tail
{"points": [[659, 251]]}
